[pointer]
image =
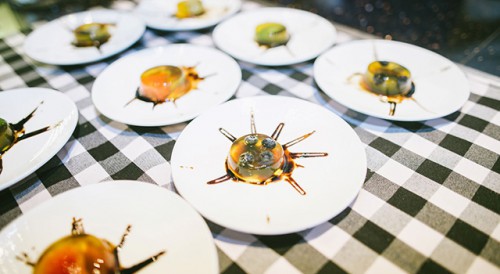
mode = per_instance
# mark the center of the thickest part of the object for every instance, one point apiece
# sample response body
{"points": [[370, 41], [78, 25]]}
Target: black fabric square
{"points": [[468, 236], [84, 130], [473, 122], [457, 145], [166, 149], [54, 174], [434, 171], [85, 79], [431, 267], [335, 220], [331, 267], [246, 74], [489, 102], [387, 147], [8, 208], [407, 201], [411, 126], [272, 89], [22, 70], [233, 269], [374, 237], [299, 76], [130, 172], [281, 244], [38, 82], [103, 151], [487, 198], [496, 166]]}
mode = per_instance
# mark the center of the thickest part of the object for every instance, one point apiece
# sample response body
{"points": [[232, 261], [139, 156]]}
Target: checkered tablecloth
{"points": [[430, 202]]}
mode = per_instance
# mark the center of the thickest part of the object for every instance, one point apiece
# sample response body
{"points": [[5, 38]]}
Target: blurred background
{"points": [[465, 31]]}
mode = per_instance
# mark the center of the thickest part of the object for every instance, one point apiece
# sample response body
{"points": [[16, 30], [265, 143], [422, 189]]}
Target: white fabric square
{"points": [[282, 266], [496, 233], [327, 239], [12, 82], [233, 243], [91, 175], [420, 146], [90, 112], [480, 265], [61, 80], [496, 119], [366, 204], [131, 151], [471, 170], [395, 172], [36, 199], [426, 241], [77, 93], [375, 126], [488, 142], [161, 174], [449, 201], [382, 265]]}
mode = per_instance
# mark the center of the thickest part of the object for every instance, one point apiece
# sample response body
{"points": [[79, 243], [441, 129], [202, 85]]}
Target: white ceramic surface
{"points": [[116, 86], [160, 220], [441, 88], [310, 35], [52, 43], [28, 155], [331, 183], [160, 14]]}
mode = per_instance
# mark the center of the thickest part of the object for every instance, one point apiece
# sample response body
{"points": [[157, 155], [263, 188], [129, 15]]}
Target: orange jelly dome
{"points": [[164, 83], [255, 158], [83, 254]]}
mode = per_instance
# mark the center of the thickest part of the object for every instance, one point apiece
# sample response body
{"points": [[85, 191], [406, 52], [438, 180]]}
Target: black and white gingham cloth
{"points": [[430, 202]]}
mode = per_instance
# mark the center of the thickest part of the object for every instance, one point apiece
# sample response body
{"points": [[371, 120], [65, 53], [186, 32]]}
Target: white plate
{"points": [[116, 86], [160, 220], [51, 43], [331, 183], [28, 155], [441, 88], [159, 14], [310, 36]]}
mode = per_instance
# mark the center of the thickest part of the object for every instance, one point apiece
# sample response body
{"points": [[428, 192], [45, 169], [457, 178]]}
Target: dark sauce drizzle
{"points": [[289, 164], [20, 132]]}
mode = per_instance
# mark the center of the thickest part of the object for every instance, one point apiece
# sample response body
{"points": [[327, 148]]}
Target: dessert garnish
{"points": [[82, 253], [260, 159], [11, 134]]}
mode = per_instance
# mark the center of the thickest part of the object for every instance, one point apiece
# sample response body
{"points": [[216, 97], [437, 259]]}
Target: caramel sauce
{"points": [[85, 254], [279, 168], [20, 133]]}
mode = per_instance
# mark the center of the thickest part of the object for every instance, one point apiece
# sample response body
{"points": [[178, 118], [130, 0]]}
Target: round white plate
{"points": [[160, 220], [51, 43], [28, 155], [310, 35], [116, 86], [441, 88], [331, 183], [160, 14]]}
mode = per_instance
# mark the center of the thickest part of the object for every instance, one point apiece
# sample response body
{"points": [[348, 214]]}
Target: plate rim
{"points": [[72, 123], [139, 21], [119, 184], [284, 231], [331, 94], [220, 45], [184, 118], [238, 5]]}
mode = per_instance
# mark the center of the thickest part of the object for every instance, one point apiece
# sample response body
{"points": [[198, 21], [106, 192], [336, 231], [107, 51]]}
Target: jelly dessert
{"points": [[82, 253], [189, 8], [271, 35], [260, 159], [11, 134], [91, 35], [390, 81], [167, 83], [7, 135]]}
